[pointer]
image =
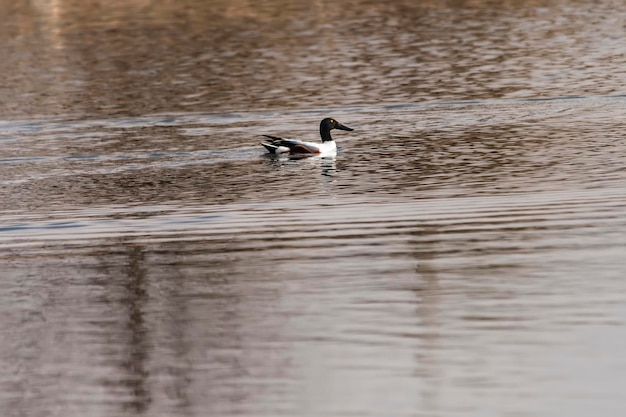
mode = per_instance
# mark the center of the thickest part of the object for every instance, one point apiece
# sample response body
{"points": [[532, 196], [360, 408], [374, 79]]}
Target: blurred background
{"points": [[462, 255], [141, 57]]}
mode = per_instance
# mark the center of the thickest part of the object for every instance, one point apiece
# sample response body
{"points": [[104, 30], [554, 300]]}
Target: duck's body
{"points": [[277, 145]]}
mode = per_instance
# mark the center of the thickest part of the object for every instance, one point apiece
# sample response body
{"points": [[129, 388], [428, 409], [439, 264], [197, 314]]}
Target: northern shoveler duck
{"points": [[277, 145]]}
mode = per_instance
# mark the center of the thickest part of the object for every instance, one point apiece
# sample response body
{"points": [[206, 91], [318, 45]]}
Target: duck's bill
{"points": [[342, 127]]}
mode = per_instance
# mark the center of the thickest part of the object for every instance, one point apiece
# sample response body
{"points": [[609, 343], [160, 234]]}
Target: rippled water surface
{"points": [[462, 255]]}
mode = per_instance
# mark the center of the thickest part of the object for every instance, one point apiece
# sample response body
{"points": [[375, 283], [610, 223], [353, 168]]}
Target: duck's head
{"points": [[329, 124]]}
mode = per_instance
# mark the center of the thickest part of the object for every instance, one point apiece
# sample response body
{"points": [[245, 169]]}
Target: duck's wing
{"points": [[294, 146]]}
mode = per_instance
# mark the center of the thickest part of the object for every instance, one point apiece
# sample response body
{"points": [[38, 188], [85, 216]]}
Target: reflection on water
{"points": [[462, 253], [409, 306], [87, 58]]}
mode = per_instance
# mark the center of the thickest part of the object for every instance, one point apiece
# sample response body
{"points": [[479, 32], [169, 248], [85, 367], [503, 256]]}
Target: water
{"points": [[463, 254]]}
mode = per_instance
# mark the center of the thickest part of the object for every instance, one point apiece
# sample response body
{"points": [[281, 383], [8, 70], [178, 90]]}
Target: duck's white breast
{"points": [[328, 147]]}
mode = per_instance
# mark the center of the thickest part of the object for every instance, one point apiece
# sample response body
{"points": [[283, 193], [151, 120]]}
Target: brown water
{"points": [[462, 255]]}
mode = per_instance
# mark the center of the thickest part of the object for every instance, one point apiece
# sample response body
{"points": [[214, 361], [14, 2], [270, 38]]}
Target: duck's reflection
{"points": [[327, 164]]}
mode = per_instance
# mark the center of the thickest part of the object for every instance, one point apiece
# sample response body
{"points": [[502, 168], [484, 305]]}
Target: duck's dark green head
{"points": [[329, 124]]}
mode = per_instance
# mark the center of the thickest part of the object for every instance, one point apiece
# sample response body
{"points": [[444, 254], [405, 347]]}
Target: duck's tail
{"points": [[270, 148], [275, 144]]}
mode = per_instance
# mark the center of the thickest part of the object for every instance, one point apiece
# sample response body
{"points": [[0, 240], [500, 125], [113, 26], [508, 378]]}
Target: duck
{"points": [[277, 145]]}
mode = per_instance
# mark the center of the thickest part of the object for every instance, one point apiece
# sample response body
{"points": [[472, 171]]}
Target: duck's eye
{"points": [[332, 121]]}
